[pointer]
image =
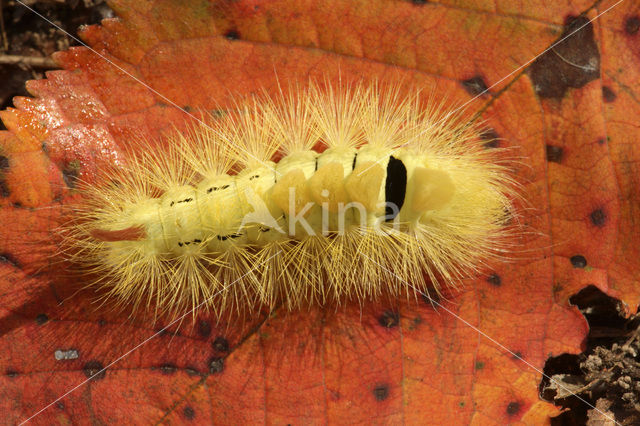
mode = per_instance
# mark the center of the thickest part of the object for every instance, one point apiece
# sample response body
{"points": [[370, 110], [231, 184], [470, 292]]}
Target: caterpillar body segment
{"points": [[218, 213], [402, 200]]}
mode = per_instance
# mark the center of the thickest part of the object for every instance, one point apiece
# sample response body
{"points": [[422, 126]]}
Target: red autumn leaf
{"points": [[476, 359]]}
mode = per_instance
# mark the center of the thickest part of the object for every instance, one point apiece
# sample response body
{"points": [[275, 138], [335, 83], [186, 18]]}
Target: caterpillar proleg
{"points": [[368, 181]]}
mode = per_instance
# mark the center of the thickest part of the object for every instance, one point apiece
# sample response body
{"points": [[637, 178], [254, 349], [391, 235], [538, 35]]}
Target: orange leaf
{"points": [[477, 358]]}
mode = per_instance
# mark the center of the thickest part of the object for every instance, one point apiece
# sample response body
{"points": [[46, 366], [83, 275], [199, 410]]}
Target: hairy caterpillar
{"points": [[401, 193]]}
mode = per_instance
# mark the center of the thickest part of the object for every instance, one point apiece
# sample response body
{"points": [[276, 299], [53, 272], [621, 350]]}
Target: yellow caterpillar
{"points": [[402, 198]]}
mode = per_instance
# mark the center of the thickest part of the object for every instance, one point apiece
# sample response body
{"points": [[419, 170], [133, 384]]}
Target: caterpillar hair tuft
{"points": [[374, 194]]}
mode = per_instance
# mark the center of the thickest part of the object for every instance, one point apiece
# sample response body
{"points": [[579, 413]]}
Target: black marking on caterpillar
{"points": [[226, 237], [395, 187], [217, 188], [186, 243], [186, 200]]}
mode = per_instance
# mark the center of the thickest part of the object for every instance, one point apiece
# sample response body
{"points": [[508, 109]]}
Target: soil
{"points": [[606, 375], [27, 40]]}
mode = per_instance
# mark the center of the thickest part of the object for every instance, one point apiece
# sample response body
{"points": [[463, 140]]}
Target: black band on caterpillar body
{"points": [[395, 187], [398, 188]]}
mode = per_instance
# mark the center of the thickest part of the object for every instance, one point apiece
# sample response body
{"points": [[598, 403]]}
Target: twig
{"points": [[5, 40], [33, 61]]}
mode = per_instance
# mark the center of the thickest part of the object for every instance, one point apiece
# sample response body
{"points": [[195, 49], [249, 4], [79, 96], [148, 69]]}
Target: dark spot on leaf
{"points": [[221, 344], [232, 35], [554, 154], [598, 218], [632, 25], [578, 261], [189, 413], [204, 328], [102, 323], [513, 408], [572, 63], [479, 365], [186, 108], [168, 369], [475, 86], [12, 373], [4, 189], [432, 300], [192, 371], [602, 141], [491, 137], [60, 405], [389, 319], [516, 355], [94, 370], [7, 258], [4, 162], [495, 280], [381, 392], [70, 176], [415, 323], [557, 287], [217, 113], [42, 319], [70, 173], [608, 94], [419, 2], [216, 365]]}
